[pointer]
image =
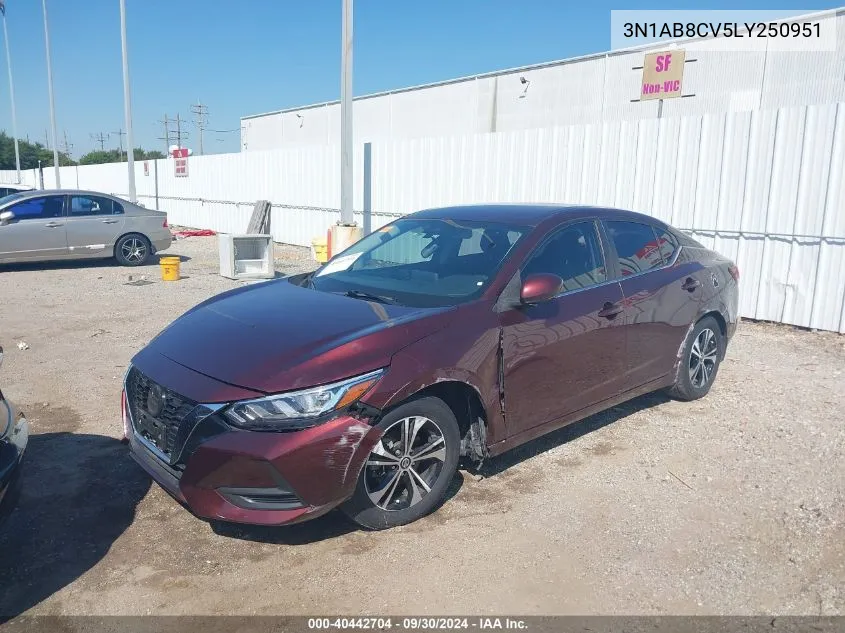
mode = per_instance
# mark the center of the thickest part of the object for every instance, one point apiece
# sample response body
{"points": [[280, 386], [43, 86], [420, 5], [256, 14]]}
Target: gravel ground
{"points": [[733, 504]]}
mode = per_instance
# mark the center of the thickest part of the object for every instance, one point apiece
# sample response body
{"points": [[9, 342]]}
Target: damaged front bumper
{"points": [[266, 478]]}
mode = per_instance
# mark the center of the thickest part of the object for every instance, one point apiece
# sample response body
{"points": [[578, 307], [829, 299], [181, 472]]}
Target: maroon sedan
{"points": [[453, 332]]}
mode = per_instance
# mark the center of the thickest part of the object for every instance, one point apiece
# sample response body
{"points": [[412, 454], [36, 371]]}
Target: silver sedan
{"points": [[72, 224]]}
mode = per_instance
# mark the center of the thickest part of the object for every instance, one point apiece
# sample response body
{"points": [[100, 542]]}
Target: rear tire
{"points": [[703, 352], [409, 470], [133, 250]]}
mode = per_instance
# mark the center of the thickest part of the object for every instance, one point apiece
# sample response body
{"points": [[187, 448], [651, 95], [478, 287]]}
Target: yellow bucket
{"points": [[320, 249], [170, 268]]}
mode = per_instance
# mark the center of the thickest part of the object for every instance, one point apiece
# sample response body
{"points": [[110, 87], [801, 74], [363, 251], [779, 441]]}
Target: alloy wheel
{"points": [[405, 464], [134, 250], [703, 357]]}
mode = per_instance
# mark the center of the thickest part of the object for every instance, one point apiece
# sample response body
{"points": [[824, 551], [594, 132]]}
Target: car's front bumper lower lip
{"points": [[266, 478]]}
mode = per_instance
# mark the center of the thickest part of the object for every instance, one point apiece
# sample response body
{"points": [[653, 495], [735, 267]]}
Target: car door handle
{"points": [[690, 284], [53, 225], [109, 221], [611, 310]]}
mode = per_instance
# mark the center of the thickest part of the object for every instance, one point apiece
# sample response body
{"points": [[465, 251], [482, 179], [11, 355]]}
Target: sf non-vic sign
{"points": [[180, 162], [663, 75]]}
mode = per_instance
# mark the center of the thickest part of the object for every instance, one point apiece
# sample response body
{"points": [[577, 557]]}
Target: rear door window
{"points": [[637, 247], [81, 206]]}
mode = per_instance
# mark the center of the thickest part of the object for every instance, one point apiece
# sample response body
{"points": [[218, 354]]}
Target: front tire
{"points": [[133, 250], [407, 473], [703, 352]]}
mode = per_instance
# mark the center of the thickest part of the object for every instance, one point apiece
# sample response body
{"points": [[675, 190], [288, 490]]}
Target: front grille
{"points": [[159, 415]]}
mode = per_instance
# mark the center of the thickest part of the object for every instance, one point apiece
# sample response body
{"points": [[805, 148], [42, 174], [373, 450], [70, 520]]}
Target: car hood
{"points": [[276, 336]]}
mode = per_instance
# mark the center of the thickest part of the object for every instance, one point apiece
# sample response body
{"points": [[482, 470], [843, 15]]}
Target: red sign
{"points": [[180, 162]]}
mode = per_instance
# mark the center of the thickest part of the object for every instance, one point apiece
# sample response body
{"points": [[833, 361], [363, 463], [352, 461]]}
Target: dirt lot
{"points": [[734, 504]]}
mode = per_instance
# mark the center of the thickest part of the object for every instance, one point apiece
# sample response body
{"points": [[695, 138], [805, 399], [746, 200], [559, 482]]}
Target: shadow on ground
{"points": [[79, 494], [73, 264]]}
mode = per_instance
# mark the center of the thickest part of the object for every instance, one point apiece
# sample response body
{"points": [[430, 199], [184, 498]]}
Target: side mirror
{"points": [[6, 217], [540, 287]]}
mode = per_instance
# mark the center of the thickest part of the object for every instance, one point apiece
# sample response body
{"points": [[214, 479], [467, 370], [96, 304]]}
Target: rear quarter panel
{"points": [[149, 223], [720, 291]]}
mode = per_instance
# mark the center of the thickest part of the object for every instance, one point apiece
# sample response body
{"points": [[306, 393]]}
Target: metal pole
{"points": [[12, 95], [127, 105], [52, 101], [347, 216], [368, 188]]}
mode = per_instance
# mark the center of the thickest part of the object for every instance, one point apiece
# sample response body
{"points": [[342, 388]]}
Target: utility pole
{"points": [[179, 132], [120, 133], [12, 95], [347, 216], [172, 135], [127, 104], [50, 94], [101, 139], [67, 146], [166, 137], [200, 113]]}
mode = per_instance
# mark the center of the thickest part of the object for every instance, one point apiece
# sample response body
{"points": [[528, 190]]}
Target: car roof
{"points": [[530, 214], [31, 193], [65, 192]]}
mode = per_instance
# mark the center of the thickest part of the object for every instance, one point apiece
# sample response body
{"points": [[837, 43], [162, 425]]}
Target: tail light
{"points": [[164, 226], [734, 271]]}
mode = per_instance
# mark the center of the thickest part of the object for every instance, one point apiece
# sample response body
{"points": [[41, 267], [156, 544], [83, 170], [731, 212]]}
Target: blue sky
{"points": [[254, 56]]}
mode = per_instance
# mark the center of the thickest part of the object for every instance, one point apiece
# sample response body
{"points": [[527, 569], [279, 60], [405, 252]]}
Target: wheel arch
{"points": [[127, 234], [465, 401], [723, 326]]}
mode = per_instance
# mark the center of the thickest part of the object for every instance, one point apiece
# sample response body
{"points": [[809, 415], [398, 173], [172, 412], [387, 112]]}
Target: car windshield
{"points": [[420, 262]]}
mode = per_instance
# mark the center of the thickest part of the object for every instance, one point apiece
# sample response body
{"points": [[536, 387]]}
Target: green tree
{"points": [[31, 153], [98, 157]]}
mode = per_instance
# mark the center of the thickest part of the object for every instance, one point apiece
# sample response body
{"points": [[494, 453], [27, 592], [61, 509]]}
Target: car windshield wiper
{"points": [[366, 296]]}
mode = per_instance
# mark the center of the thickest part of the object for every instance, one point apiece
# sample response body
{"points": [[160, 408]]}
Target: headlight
{"points": [[297, 410]]}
